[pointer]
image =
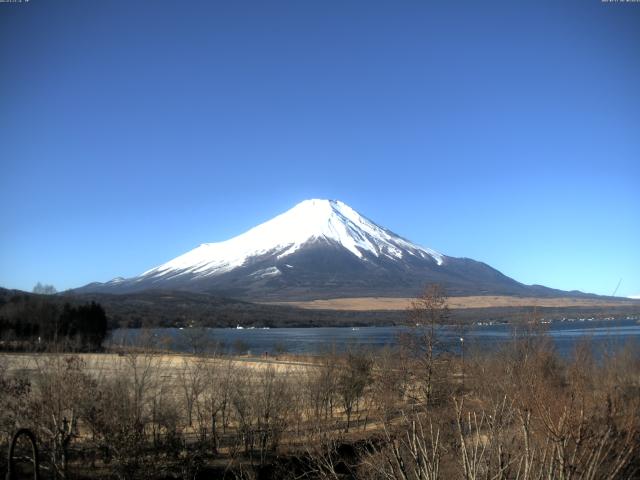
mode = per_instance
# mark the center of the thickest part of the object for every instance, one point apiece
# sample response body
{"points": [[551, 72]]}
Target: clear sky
{"points": [[507, 132]]}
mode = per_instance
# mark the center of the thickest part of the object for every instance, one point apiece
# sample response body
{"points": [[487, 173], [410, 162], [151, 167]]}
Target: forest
{"points": [[35, 322]]}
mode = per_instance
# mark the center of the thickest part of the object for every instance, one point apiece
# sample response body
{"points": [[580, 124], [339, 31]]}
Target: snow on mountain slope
{"points": [[319, 249], [309, 221]]}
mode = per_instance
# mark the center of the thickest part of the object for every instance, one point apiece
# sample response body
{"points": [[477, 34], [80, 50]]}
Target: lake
{"points": [[604, 334]]}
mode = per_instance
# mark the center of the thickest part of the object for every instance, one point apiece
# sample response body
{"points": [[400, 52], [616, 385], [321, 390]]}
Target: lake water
{"points": [[604, 334]]}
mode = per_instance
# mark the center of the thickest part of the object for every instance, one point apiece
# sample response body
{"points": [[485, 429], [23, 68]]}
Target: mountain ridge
{"points": [[320, 249]]}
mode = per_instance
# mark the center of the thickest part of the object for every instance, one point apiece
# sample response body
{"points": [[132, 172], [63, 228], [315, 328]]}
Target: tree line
{"points": [[37, 322]]}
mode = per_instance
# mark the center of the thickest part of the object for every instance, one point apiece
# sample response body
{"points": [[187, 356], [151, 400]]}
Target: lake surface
{"points": [[603, 334]]}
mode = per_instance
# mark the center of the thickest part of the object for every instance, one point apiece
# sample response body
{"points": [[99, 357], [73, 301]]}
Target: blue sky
{"points": [[507, 132]]}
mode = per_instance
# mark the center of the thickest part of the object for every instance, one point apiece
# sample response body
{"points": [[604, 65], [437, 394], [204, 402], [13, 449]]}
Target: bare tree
{"points": [[411, 452], [353, 378], [191, 379], [123, 407], [61, 387], [426, 314], [321, 389], [273, 407], [197, 340], [216, 394], [243, 404], [389, 383], [44, 289]]}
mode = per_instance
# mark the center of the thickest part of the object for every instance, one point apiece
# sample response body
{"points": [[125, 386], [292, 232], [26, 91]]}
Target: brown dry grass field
{"points": [[385, 303], [170, 364]]}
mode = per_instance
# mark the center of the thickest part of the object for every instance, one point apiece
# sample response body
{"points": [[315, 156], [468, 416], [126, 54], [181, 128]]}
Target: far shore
{"points": [[395, 304]]}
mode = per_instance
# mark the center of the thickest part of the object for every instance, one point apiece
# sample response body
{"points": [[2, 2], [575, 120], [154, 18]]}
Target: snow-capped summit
{"points": [[309, 221], [317, 249]]}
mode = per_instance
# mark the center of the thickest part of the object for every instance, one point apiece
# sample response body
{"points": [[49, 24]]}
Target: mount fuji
{"points": [[319, 249]]}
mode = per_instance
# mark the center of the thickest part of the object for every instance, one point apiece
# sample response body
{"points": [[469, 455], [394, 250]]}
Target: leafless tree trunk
{"points": [[426, 313]]}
